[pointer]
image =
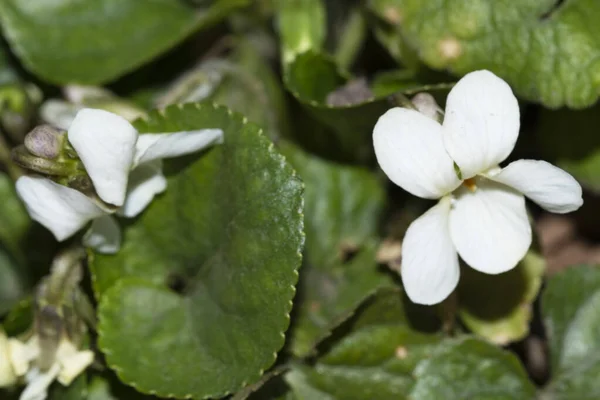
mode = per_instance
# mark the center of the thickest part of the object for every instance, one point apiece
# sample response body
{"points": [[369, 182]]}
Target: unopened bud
{"points": [[426, 105], [45, 141]]}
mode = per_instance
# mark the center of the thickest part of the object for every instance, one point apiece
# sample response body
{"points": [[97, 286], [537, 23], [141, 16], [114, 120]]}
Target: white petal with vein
{"points": [[481, 124], [549, 186], [60, 209], [410, 150], [105, 142], [430, 269], [154, 146], [490, 227]]}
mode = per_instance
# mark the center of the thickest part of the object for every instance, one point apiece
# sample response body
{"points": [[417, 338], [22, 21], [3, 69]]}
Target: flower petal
{"points": [[8, 375], [145, 182], [154, 146], [62, 210], [104, 235], [105, 142], [481, 124], [74, 365], [490, 227], [410, 150], [38, 383], [59, 113], [429, 261], [549, 186], [21, 354]]}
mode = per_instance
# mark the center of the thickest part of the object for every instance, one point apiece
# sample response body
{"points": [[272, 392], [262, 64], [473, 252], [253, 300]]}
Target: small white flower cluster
{"points": [[125, 169], [481, 212], [19, 361]]}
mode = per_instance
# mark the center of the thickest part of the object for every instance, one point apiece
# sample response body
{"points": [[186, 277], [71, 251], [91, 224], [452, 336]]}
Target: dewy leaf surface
{"points": [[227, 236], [570, 307], [99, 40], [548, 51]]}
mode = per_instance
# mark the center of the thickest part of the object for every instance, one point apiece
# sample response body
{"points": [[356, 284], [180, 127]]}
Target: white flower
{"points": [[482, 216], [125, 169], [66, 365], [8, 375]]}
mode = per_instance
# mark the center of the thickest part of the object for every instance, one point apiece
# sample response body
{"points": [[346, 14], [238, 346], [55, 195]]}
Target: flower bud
{"points": [[45, 141], [426, 104]]}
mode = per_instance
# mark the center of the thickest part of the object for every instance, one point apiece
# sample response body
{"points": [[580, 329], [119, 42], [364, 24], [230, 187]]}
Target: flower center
{"points": [[470, 184]]}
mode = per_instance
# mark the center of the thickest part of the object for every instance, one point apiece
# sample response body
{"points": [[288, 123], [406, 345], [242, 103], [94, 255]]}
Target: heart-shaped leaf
{"points": [[94, 41], [227, 236], [570, 308], [546, 50]]}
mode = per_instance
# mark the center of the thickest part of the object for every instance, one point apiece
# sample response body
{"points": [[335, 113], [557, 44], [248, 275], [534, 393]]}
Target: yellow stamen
{"points": [[470, 184]]}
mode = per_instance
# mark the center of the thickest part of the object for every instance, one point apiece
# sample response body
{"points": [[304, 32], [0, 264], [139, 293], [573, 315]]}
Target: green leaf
{"points": [[469, 368], [95, 41], [343, 206], [12, 286], [226, 235], [302, 27], [7, 72], [546, 50], [270, 386], [311, 77], [77, 390], [14, 217], [327, 298], [375, 360], [20, 318], [570, 306], [372, 363], [386, 28], [500, 307], [108, 387], [566, 293]]}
